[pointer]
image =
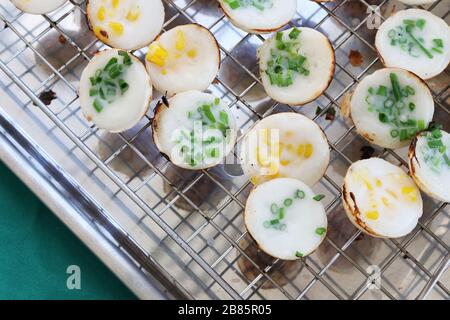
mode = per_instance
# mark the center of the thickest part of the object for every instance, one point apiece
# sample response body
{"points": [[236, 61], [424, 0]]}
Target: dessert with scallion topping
{"points": [[184, 58], [259, 16], [115, 90], [194, 129], [390, 106], [429, 162], [38, 6], [415, 40], [285, 145], [286, 219], [296, 65], [381, 199], [125, 24]]}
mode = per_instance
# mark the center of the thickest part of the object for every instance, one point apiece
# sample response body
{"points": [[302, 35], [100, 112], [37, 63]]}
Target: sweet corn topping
{"points": [[180, 41], [285, 162], [300, 150], [308, 150], [157, 54], [116, 27], [379, 183], [385, 201], [192, 53], [407, 190], [101, 14], [115, 3], [133, 14], [100, 33], [372, 215]]}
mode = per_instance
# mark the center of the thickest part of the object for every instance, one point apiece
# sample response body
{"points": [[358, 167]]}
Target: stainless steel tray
{"points": [[168, 233]]}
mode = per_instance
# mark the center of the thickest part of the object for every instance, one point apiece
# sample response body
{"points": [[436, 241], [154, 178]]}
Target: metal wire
{"points": [[223, 220]]}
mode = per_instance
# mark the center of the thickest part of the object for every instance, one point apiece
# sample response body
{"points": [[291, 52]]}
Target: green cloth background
{"points": [[36, 249]]}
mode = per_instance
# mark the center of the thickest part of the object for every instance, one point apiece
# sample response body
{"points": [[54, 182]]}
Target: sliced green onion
{"points": [[98, 105], [321, 231], [420, 23], [412, 106], [274, 208], [434, 144], [382, 91], [389, 102], [383, 117], [216, 101], [396, 86], [425, 50], [223, 117], [288, 202], [438, 43], [206, 108], [281, 213], [394, 133], [300, 194], [294, 33], [421, 124], [299, 254], [319, 197]]}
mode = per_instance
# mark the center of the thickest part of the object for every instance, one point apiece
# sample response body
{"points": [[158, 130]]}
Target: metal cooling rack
{"points": [[183, 232]]}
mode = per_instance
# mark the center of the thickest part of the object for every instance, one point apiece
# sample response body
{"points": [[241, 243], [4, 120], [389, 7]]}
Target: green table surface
{"points": [[36, 249]]}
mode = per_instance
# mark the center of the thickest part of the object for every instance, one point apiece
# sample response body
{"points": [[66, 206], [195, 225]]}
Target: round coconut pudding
{"points": [[381, 199], [115, 90], [38, 6], [296, 65], [195, 130], [390, 106], [184, 58], [259, 16], [286, 219], [125, 24], [285, 145], [415, 40], [429, 163]]}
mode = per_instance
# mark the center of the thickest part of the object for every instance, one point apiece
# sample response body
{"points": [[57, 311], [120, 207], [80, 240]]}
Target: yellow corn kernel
{"points": [[100, 33], [101, 14], [407, 190], [133, 14], [157, 54], [300, 150], [379, 183], [285, 162], [385, 201], [116, 27], [392, 193], [410, 193], [115, 3], [368, 185], [308, 150], [180, 41], [192, 53], [289, 134], [372, 215], [164, 71]]}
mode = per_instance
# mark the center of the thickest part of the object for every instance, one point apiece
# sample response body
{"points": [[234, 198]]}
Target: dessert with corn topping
{"points": [[285, 145], [429, 162], [381, 199], [390, 106], [296, 65], [259, 16], [115, 90], [184, 58], [38, 6], [286, 219], [125, 24], [194, 129]]}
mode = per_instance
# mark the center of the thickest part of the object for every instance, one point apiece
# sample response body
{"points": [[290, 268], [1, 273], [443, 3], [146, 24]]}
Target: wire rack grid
{"points": [[188, 225]]}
